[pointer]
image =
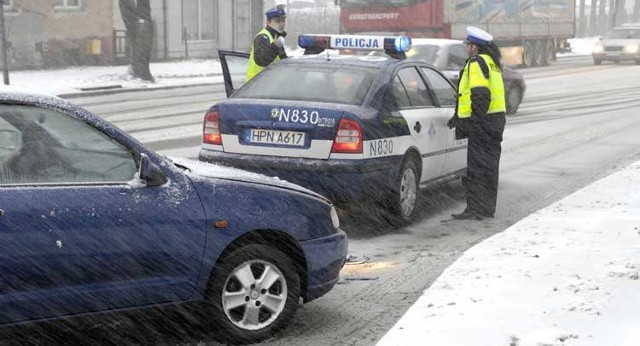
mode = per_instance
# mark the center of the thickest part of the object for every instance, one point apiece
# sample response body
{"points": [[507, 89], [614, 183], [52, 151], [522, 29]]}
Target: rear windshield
{"points": [[624, 33], [346, 84]]}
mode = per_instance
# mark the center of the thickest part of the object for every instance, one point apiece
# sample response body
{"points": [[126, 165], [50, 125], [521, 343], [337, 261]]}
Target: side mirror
{"points": [[150, 173]]}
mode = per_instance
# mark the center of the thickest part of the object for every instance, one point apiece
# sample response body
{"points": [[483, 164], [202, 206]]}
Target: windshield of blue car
{"points": [[623, 33], [344, 84]]}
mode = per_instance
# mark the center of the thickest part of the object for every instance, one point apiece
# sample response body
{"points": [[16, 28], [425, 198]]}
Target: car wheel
{"points": [[514, 97], [540, 58], [406, 193], [597, 61], [551, 50], [638, 61], [254, 292]]}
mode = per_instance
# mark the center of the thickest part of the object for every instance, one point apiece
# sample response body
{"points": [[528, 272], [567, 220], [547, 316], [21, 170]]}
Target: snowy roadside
{"points": [[87, 78], [565, 275]]}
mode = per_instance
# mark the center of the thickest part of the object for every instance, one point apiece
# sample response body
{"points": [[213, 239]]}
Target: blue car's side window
{"points": [[43, 146]]}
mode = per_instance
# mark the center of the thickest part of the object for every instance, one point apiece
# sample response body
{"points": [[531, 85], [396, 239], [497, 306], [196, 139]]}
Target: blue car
{"points": [[352, 127], [91, 221]]}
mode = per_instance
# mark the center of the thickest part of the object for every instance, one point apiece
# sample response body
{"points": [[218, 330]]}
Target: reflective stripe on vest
{"points": [[472, 77], [254, 68]]}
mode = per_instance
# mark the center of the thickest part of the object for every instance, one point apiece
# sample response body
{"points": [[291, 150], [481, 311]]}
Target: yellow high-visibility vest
{"points": [[472, 77], [254, 68]]}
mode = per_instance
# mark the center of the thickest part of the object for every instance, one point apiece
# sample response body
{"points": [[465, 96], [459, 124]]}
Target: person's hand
{"points": [[452, 122], [279, 41]]}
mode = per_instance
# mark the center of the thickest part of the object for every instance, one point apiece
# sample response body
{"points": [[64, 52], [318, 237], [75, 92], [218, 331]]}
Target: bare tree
{"points": [[593, 18], [618, 14], [136, 15], [602, 16]]}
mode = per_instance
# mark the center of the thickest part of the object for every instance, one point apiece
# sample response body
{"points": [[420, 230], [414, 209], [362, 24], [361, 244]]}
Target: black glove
{"points": [[452, 122]]}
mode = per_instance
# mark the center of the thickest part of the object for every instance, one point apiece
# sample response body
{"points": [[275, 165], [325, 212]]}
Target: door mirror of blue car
{"points": [[151, 173]]}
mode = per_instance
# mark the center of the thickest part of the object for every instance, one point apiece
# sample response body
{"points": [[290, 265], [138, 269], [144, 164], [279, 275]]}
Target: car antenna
{"points": [[328, 56]]}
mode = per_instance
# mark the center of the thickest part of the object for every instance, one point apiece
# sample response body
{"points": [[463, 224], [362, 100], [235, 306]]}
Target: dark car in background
{"points": [[92, 221], [449, 57]]}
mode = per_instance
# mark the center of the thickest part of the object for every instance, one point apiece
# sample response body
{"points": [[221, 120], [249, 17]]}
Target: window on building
{"points": [[8, 4], [71, 4], [199, 18]]}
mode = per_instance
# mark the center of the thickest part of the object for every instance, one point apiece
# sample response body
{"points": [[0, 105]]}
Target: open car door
{"points": [[234, 69]]}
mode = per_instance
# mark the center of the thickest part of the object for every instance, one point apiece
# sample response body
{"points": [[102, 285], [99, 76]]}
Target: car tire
{"points": [[597, 61], [513, 99], [405, 195], [551, 51], [268, 309], [540, 58], [638, 61]]}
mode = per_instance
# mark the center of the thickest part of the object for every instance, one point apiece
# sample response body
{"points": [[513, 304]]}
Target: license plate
{"points": [[276, 137]]}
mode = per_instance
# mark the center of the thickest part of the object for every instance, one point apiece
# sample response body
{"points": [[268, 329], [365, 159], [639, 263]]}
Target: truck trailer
{"points": [[529, 32]]}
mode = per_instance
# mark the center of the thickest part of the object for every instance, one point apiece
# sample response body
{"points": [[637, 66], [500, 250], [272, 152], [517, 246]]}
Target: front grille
{"points": [[613, 49]]}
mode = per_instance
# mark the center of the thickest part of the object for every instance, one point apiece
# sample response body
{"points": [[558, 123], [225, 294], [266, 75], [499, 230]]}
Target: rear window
{"points": [[347, 85]]}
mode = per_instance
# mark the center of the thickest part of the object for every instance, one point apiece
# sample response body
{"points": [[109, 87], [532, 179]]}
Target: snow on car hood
{"points": [[211, 170]]}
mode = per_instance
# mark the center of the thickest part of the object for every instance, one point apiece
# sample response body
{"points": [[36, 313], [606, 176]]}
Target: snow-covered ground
{"points": [[75, 79], [565, 275]]}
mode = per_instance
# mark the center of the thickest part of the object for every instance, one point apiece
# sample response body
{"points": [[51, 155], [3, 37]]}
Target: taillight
{"points": [[211, 129], [348, 137]]}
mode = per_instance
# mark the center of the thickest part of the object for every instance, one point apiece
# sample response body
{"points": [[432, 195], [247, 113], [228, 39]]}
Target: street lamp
{"points": [[3, 52]]}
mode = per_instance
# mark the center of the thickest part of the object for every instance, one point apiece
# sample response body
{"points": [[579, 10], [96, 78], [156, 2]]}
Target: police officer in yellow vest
{"points": [[268, 45], [480, 117]]}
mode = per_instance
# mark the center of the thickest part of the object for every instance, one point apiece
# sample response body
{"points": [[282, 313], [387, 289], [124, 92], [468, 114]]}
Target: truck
{"points": [[529, 32]]}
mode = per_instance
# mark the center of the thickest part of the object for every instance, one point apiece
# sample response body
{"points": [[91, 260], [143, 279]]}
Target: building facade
{"points": [[199, 28], [48, 33]]}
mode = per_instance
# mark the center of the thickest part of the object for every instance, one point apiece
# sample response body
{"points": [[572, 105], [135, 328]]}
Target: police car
{"points": [[352, 127]]}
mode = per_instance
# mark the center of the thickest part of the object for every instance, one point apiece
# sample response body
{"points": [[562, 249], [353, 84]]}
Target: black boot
{"points": [[467, 215]]}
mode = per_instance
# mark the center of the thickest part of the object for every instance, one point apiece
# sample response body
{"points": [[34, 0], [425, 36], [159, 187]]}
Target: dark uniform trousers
{"points": [[484, 135]]}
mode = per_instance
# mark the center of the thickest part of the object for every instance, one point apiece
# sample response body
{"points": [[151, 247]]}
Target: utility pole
{"points": [[5, 62], [583, 20]]}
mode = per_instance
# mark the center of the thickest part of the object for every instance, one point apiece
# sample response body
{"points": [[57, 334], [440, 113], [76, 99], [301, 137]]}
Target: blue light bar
{"points": [[394, 44]]}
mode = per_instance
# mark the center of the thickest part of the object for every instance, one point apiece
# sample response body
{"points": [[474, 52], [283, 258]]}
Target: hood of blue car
{"points": [[211, 170]]}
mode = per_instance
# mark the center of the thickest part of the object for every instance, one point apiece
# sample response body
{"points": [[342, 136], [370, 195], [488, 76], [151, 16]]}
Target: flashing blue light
{"points": [[306, 41], [403, 43]]}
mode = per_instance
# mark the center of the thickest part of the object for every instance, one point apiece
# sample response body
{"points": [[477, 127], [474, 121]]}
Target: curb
{"points": [[123, 90]]}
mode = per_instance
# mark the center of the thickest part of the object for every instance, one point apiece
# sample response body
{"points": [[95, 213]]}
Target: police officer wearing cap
{"points": [[268, 44], [480, 117]]}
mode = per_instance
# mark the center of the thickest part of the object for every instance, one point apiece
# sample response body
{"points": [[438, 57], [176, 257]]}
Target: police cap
{"points": [[478, 36], [277, 11]]}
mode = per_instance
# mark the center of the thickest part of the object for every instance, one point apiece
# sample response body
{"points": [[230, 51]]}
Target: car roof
{"points": [[10, 92]]}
